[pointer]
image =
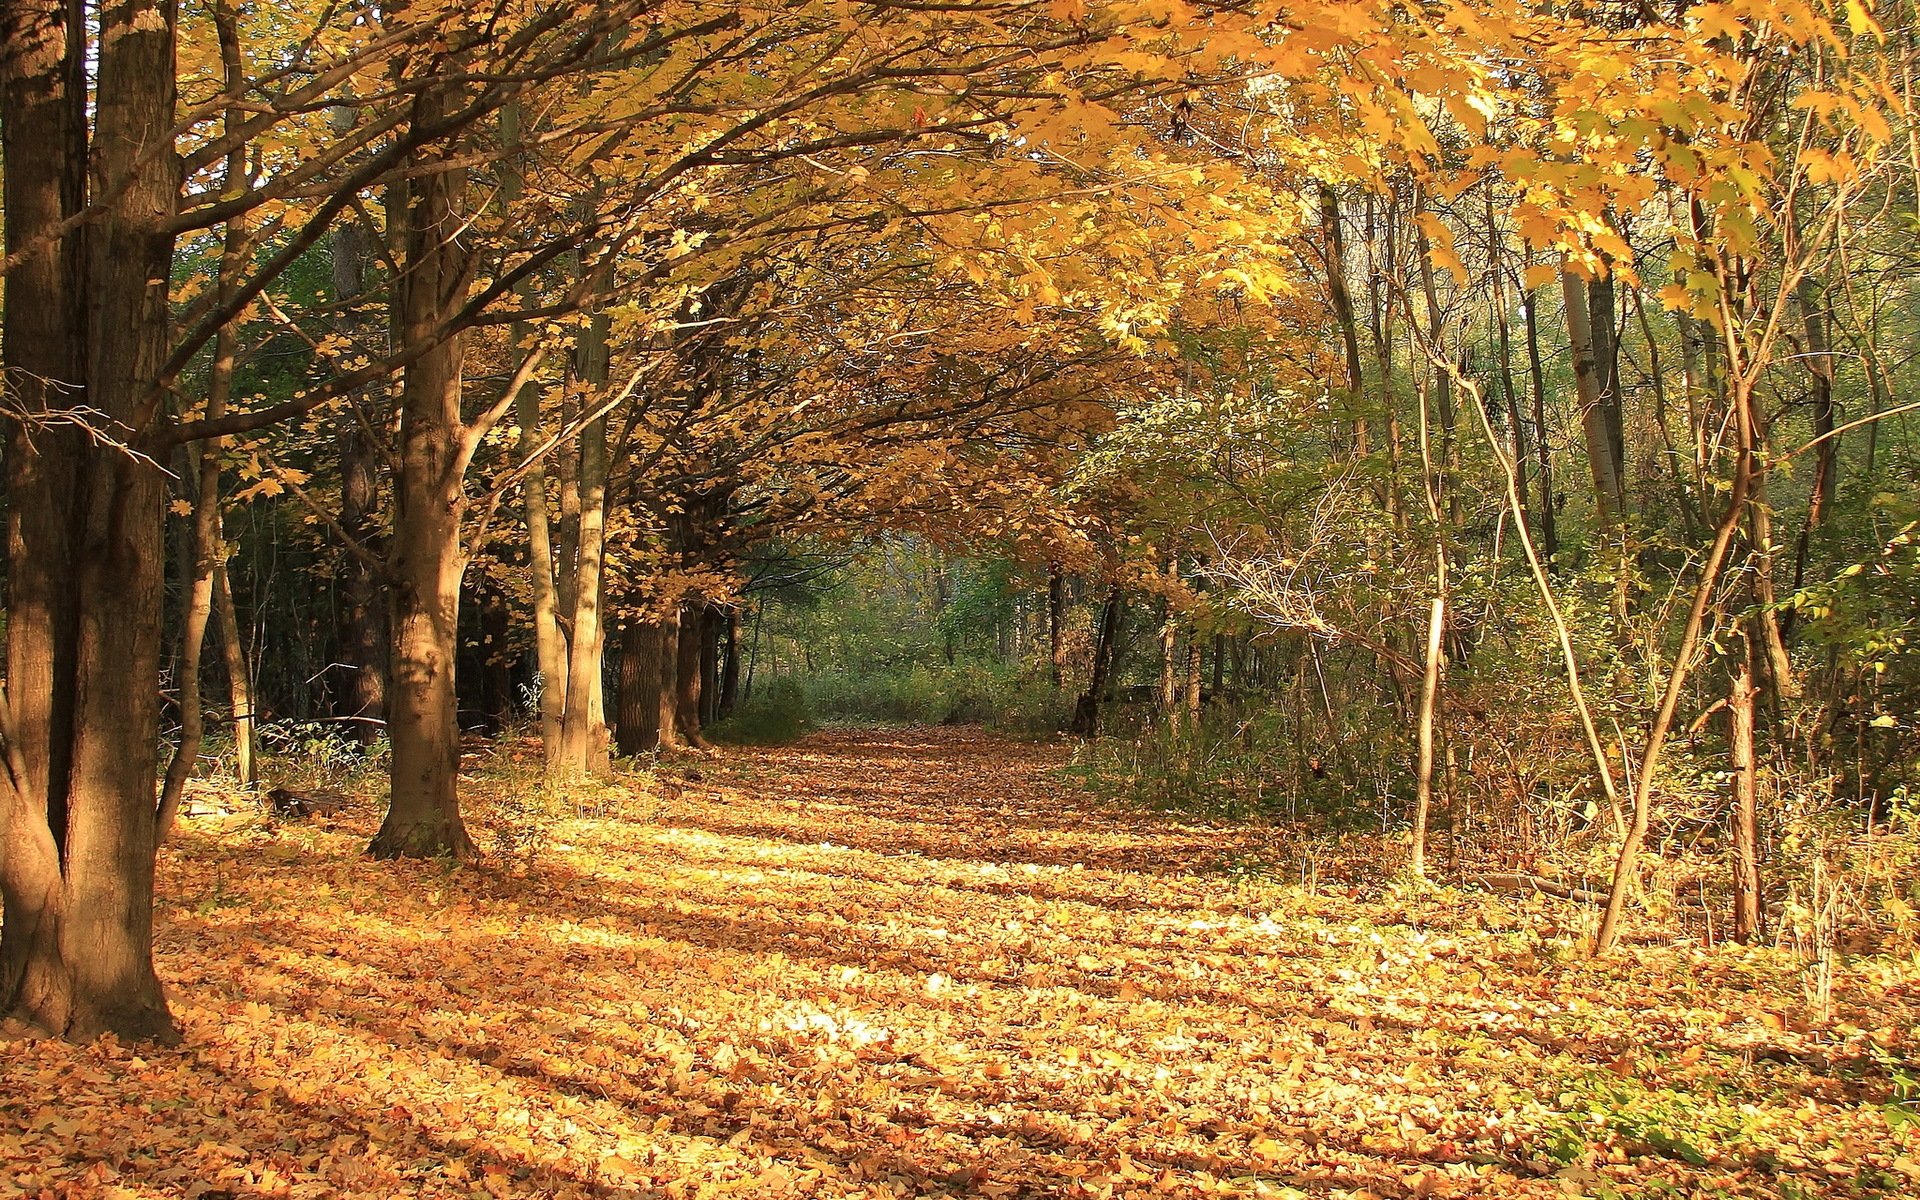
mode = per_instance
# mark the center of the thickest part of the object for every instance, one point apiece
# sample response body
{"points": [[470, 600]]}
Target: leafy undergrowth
{"points": [[911, 963]]}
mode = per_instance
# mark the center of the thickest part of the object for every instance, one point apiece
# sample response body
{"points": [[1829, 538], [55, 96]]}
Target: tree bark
{"points": [[1609, 492], [246, 724], [730, 658], [1335, 252], [1086, 713], [1537, 379], [361, 627], [209, 542], [583, 749], [648, 695], [423, 814], [1057, 627], [77, 860], [689, 643], [1746, 806]]}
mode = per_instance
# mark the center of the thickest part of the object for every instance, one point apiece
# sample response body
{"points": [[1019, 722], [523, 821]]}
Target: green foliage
{"points": [[776, 713], [1238, 765], [311, 752]]}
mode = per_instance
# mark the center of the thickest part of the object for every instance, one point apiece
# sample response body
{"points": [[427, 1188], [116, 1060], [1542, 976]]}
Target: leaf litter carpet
{"points": [[917, 963]]}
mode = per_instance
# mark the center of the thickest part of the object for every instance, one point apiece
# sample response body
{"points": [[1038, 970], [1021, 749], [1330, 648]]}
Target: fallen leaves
{"points": [[955, 978]]}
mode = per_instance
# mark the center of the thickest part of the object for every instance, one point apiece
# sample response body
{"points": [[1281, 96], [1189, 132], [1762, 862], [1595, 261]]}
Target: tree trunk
{"points": [[1056, 627], [711, 627], [1820, 373], [361, 627], [649, 651], [689, 642], [1503, 327], [549, 643], [583, 743], [1609, 493], [77, 864], [1626, 862], [730, 673], [423, 814], [1335, 252], [1086, 713], [1167, 694], [1537, 378], [1746, 808], [208, 538], [1191, 699], [246, 724]]}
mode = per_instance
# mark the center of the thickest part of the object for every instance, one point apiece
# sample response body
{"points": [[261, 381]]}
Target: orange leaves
{"points": [[912, 962]]}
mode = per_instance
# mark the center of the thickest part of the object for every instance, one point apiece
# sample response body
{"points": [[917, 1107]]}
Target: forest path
{"points": [[904, 962]]}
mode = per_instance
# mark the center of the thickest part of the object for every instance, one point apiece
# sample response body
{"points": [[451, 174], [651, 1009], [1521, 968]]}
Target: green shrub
{"points": [[776, 713], [970, 692]]}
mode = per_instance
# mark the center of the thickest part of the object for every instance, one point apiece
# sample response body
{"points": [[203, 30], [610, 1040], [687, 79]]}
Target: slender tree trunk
{"points": [[1106, 647], [246, 723], [1057, 626], [361, 628], [1429, 702], [1191, 699], [1168, 692], [1609, 493], [1503, 327], [710, 630], [423, 815], [1626, 863], [1604, 319], [209, 542], [730, 673], [549, 643], [583, 741], [1537, 379], [1820, 373], [1746, 823], [1335, 252]]}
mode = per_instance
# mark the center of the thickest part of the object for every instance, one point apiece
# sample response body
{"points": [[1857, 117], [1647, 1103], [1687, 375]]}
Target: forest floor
{"points": [[918, 962]]}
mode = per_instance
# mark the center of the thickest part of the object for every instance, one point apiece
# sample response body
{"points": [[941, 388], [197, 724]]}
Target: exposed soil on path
{"points": [[918, 962]]}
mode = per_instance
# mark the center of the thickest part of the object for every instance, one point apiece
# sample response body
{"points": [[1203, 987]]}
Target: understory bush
{"points": [[776, 713], [1005, 698]]}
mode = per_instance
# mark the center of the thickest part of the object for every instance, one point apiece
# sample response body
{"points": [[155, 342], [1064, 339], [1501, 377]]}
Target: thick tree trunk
{"points": [[427, 561], [77, 864], [689, 644], [649, 649]]}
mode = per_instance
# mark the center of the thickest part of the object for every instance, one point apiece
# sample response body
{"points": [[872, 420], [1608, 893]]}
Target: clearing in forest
{"points": [[915, 962]]}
